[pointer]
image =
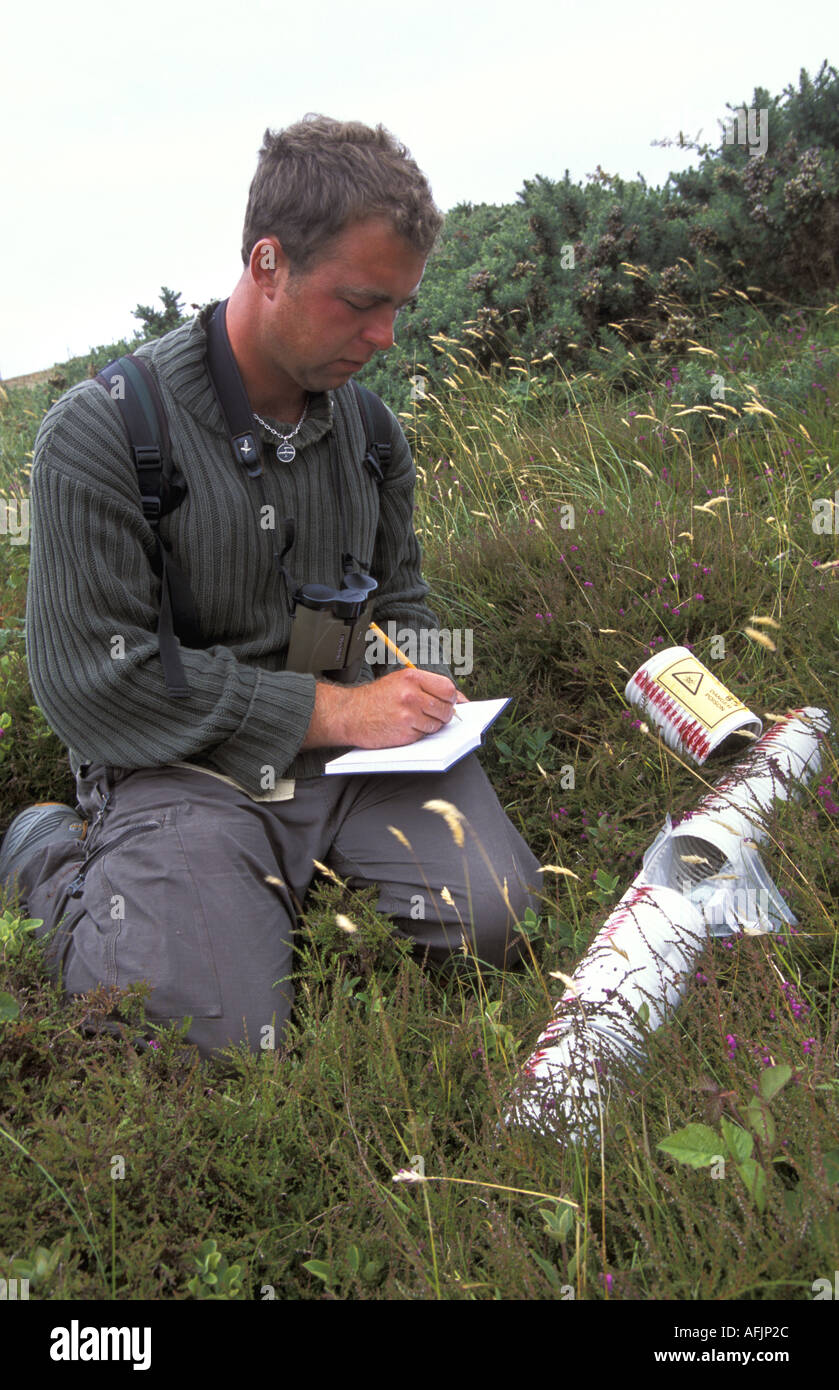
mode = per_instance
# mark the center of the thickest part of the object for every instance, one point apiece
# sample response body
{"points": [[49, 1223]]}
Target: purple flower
{"points": [[797, 1006]]}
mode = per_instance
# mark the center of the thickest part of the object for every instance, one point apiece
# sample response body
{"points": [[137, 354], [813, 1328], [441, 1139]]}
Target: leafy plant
{"points": [[345, 1272], [699, 1146], [522, 746], [40, 1267], [605, 887], [215, 1279], [13, 932]]}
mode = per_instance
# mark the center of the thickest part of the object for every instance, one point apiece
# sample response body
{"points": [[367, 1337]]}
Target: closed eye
{"points": [[362, 308]]}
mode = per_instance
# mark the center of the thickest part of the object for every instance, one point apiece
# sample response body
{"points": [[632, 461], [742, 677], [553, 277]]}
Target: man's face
{"points": [[324, 324]]}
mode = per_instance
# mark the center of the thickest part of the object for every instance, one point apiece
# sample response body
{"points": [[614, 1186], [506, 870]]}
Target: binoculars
{"points": [[329, 628]]}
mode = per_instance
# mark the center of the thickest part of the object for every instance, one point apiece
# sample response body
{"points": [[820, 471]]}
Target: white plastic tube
{"points": [[633, 973], [711, 856], [638, 967]]}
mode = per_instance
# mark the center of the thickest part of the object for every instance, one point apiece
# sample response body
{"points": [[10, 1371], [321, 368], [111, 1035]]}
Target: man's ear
{"points": [[269, 266]]}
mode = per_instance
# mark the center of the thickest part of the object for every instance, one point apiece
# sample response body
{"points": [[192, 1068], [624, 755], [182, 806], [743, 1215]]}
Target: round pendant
{"points": [[286, 452]]}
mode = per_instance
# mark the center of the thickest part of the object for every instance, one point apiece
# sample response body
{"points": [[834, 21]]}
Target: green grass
{"points": [[134, 1173]]}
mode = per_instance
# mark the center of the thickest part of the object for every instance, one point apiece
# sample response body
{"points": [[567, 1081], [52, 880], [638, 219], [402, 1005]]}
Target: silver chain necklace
{"points": [[286, 451]]}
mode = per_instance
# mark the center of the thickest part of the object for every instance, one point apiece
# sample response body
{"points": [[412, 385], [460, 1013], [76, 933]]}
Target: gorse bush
{"points": [[571, 271]]}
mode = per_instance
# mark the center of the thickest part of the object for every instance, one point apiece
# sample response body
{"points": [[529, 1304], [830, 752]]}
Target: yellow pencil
{"points": [[401, 655]]}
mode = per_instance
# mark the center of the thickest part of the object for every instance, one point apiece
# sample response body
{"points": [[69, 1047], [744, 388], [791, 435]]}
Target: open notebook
{"points": [[431, 753]]}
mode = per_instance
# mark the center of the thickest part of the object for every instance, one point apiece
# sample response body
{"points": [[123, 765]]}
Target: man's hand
{"points": [[386, 713]]}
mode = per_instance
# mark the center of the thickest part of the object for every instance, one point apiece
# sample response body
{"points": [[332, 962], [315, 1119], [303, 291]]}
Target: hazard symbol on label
{"points": [[690, 678]]}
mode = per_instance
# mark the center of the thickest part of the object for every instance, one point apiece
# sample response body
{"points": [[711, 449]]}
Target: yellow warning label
{"points": [[701, 693]]}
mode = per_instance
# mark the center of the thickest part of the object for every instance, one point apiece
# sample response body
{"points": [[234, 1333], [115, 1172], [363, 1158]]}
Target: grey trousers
{"points": [[170, 884]]}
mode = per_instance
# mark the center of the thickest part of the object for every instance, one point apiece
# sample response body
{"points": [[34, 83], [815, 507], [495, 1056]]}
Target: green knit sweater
{"points": [[93, 598]]}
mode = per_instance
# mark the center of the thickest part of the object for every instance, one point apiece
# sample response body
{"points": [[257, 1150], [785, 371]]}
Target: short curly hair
{"points": [[317, 177]]}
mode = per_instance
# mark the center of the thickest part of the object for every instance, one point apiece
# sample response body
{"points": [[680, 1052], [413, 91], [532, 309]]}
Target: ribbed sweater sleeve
{"points": [[91, 624]]}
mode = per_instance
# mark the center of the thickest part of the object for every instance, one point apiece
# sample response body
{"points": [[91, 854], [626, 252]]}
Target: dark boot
{"points": [[34, 829]]}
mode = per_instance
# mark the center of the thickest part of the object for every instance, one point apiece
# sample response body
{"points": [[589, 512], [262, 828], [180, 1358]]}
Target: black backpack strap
{"points": [[129, 382], [378, 448], [377, 431]]}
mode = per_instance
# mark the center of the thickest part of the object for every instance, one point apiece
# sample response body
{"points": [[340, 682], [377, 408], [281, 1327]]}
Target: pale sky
{"points": [[130, 131]]}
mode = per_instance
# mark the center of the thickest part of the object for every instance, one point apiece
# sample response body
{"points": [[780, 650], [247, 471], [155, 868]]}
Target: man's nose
{"points": [[379, 331]]}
